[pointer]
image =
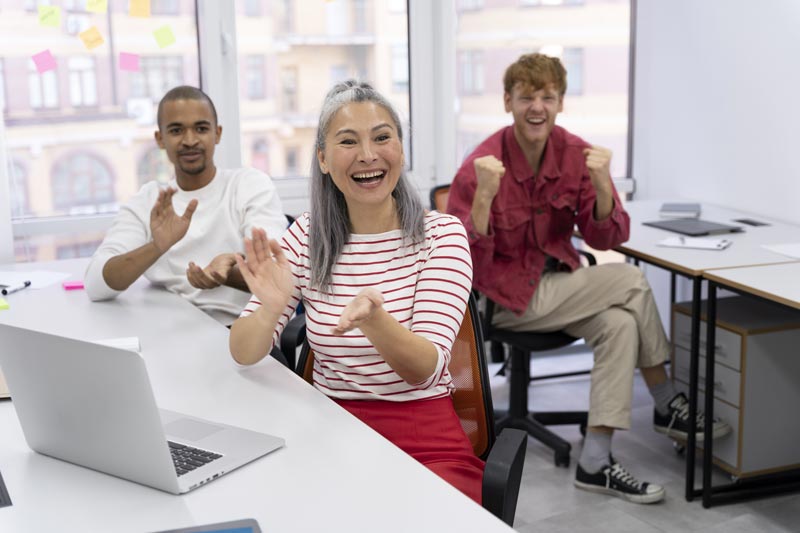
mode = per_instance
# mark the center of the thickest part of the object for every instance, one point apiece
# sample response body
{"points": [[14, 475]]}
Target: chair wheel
{"points": [[678, 447], [562, 459]]}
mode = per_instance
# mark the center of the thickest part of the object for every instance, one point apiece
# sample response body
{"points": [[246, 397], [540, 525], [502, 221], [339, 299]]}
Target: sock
{"points": [[663, 393], [596, 450]]}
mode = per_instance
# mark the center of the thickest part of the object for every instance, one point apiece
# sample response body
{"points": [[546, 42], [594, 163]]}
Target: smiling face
{"points": [[364, 156], [534, 112], [189, 134]]}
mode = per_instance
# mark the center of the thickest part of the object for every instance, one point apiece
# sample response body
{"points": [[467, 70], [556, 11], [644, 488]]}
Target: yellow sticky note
{"points": [[50, 16], [139, 8], [91, 38], [97, 6], [164, 36], [3, 304]]}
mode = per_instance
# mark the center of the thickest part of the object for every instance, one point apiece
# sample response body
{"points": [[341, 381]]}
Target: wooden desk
{"points": [[777, 283], [746, 250], [333, 474]]}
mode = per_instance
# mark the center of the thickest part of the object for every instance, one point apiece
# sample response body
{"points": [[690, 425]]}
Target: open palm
{"points": [[166, 226], [266, 271]]}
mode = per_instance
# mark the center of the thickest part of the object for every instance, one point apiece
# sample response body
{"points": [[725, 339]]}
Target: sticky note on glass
{"points": [[97, 6], [3, 304], [164, 36], [91, 38], [128, 61], [139, 8], [44, 61], [50, 16]]}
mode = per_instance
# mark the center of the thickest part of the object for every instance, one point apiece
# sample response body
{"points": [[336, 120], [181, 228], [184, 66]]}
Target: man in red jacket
{"points": [[520, 195]]}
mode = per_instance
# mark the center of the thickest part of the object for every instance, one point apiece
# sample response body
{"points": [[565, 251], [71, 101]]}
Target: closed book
{"points": [[680, 210]]}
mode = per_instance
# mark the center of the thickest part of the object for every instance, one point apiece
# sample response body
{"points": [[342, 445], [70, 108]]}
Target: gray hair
{"points": [[330, 223]]}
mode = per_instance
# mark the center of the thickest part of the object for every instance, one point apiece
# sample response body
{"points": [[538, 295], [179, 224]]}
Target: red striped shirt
{"points": [[425, 284]]}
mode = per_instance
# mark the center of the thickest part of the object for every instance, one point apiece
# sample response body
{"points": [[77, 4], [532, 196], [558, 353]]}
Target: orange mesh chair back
{"points": [[471, 399], [439, 195]]}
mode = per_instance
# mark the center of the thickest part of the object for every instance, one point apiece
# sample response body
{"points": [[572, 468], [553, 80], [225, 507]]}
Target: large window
{"points": [[78, 119]]}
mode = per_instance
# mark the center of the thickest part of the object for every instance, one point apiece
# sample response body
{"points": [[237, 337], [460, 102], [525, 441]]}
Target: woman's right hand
{"points": [[266, 271]]}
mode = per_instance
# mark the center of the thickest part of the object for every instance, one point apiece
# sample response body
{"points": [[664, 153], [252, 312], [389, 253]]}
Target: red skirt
{"points": [[430, 432]]}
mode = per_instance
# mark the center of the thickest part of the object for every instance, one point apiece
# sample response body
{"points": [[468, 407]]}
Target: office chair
{"points": [[505, 454], [521, 344]]}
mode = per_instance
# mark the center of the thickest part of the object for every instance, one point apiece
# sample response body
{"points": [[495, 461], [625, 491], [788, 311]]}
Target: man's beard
{"points": [[194, 171]]}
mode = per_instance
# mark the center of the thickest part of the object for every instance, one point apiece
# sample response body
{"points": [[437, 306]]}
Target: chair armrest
{"points": [[293, 336], [278, 354], [503, 474], [589, 257]]}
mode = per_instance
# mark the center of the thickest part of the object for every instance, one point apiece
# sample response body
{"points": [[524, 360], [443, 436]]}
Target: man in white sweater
{"points": [[219, 208]]}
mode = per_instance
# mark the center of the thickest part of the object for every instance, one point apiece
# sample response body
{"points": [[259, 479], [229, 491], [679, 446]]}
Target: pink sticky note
{"points": [[72, 285], [129, 61], [44, 61]]}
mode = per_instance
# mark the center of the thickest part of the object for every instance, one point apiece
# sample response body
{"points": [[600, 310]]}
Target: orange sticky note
{"points": [[97, 6], [164, 36], [50, 16], [139, 8], [91, 38]]}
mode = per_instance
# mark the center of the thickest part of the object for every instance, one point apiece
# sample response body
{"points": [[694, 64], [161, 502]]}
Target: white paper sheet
{"points": [[39, 278], [791, 249]]}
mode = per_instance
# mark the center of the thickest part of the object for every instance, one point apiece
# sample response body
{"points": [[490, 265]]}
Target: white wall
{"points": [[717, 103]]}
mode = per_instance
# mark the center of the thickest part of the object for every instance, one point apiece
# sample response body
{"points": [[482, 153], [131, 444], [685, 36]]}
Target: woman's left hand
{"points": [[359, 310]]}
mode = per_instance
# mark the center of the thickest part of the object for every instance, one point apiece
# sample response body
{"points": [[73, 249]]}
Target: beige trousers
{"points": [[611, 306]]}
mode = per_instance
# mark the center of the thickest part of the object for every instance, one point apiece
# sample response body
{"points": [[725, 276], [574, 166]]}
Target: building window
{"points": [[82, 81], [287, 17], [470, 63], [254, 74], [42, 88], [77, 250], [156, 76], [252, 8], [260, 156], [359, 16], [339, 73], [470, 5], [400, 67], [19, 190], [82, 180], [572, 58], [289, 89], [154, 165], [292, 161]]}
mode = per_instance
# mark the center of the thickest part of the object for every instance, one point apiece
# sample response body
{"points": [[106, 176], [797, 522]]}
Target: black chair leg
{"points": [[518, 416], [498, 351]]}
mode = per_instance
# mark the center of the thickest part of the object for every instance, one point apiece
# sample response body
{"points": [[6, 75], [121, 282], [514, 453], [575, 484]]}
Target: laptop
{"points": [[693, 227], [92, 405]]}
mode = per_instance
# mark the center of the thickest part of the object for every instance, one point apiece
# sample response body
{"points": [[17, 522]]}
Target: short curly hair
{"points": [[536, 71]]}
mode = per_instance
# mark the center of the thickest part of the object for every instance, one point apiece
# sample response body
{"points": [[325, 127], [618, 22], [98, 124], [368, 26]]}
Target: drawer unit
{"points": [[756, 378]]}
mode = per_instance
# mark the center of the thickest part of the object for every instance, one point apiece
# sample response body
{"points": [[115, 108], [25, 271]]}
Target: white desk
{"points": [[334, 474], [776, 283], [746, 250]]}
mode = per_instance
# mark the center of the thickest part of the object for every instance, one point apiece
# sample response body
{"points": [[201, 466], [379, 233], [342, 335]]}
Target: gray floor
{"points": [[549, 502]]}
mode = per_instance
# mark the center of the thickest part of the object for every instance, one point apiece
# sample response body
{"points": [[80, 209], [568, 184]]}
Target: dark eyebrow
{"points": [[353, 132], [180, 124]]}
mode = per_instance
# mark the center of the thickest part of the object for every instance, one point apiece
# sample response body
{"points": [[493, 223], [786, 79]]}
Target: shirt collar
{"points": [[518, 163]]}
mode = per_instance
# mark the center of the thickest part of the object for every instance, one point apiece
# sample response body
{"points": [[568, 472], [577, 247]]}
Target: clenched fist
{"points": [[598, 162], [488, 171]]}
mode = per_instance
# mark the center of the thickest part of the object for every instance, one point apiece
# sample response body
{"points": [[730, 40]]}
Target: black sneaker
{"points": [[613, 479], [675, 424]]}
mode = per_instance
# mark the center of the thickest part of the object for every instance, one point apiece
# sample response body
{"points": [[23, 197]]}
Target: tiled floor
{"points": [[549, 502]]}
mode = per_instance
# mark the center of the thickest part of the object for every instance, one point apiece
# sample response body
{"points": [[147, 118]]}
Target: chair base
{"points": [[535, 424]]}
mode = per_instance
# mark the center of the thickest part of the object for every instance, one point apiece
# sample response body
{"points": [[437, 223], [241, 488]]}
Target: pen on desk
{"points": [[9, 289]]}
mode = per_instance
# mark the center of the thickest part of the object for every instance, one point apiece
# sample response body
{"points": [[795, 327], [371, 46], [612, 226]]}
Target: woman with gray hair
{"points": [[384, 284]]}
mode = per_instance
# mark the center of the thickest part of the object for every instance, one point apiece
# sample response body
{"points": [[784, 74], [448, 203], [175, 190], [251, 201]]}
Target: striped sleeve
{"points": [[442, 290]]}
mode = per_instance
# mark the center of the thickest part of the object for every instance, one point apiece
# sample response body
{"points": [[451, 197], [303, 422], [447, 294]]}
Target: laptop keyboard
{"points": [[185, 458]]}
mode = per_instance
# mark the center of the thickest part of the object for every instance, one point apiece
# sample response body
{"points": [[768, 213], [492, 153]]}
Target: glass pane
{"points": [[590, 36], [290, 54], [79, 133]]}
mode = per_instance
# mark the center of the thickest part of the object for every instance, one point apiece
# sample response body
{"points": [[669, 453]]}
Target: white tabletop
{"points": [[746, 248], [779, 283], [334, 473]]}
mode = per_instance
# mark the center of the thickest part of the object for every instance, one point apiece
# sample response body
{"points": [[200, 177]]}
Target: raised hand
{"points": [[266, 271], [165, 224], [488, 171], [212, 276], [360, 309], [598, 162]]}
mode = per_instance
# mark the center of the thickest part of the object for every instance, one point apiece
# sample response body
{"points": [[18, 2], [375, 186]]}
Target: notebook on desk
{"points": [[92, 405], [693, 227]]}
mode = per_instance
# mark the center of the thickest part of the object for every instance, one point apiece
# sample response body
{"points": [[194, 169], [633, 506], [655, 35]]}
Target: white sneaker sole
{"points": [[654, 497], [719, 431]]}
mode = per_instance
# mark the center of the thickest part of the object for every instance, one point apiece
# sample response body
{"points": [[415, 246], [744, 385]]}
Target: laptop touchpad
{"points": [[186, 428]]}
